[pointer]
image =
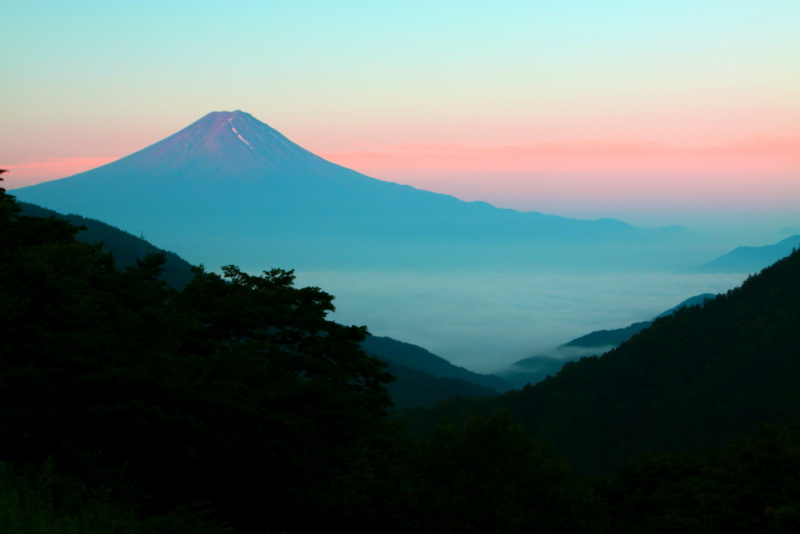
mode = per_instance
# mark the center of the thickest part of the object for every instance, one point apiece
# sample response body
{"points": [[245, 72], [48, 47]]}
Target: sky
{"points": [[656, 113]]}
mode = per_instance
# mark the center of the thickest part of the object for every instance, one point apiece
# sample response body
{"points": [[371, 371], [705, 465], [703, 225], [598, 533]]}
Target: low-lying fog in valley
{"points": [[486, 321]]}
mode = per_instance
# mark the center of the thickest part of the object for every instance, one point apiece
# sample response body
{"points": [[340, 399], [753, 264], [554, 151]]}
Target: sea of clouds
{"points": [[485, 321]]}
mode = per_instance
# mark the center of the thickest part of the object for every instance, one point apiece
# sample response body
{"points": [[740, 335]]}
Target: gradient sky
{"points": [[679, 112]]}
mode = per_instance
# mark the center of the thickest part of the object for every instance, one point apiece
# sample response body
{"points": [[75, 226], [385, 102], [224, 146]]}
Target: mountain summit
{"points": [[229, 142], [229, 188]]}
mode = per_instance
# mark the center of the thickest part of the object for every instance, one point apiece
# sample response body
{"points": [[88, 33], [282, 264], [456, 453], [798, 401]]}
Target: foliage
{"points": [[47, 502], [487, 476], [235, 388], [751, 485]]}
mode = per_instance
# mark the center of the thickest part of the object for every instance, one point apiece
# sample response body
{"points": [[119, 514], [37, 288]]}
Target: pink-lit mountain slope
{"points": [[228, 143], [230, 189]]}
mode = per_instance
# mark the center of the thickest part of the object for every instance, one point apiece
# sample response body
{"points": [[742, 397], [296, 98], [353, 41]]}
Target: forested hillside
{"points": [[694, 379], [126, 248]]}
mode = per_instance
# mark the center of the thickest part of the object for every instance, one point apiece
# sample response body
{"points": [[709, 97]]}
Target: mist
{"points": [[485, 321]]}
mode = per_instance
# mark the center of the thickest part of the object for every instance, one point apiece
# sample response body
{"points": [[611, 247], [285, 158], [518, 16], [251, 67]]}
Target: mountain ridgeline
{"points": [[391, 350], [230, 188], [125, 247], [423, 378], [749, 259]]}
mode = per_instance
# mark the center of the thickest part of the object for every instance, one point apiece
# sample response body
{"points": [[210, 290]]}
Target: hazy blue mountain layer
{"points": [[229, 188], [126, 248], [405, 354], [749, 259], [416, 388]]}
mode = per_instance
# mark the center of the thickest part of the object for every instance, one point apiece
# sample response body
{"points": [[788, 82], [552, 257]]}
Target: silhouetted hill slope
{"points": [[398, 352], [604, 338], [229, 188], [415, 388], [534, 369], [697, 300], [694, 379], [749, 259], [125, 247]]}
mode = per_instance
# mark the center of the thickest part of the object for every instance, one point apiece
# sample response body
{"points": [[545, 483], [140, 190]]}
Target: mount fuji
{"points": [[230, 189]]}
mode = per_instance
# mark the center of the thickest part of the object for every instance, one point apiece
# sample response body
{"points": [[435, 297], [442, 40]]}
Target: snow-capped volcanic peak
{"points": [[233, 140]]}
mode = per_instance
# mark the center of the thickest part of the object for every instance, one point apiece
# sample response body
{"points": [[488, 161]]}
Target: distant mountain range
{"points": [[537, 368], [230, 189], [749, 259]]}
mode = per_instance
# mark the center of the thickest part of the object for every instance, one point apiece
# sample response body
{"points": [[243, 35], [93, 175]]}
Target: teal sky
{"points": [[356, 80]]}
